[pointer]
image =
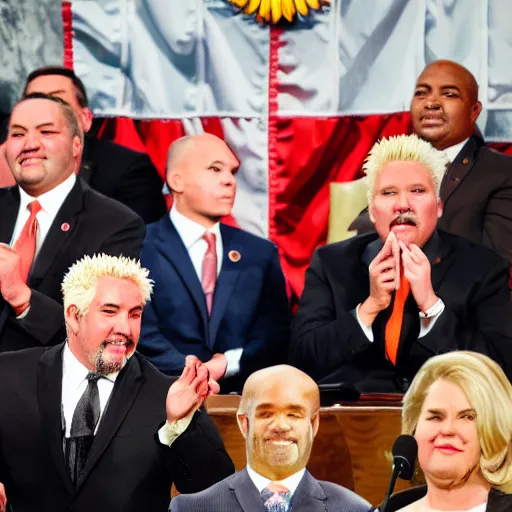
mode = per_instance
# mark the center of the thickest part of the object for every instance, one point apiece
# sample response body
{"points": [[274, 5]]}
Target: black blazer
{"points": [[237, 493], [127, 468], [328, 343], [477, 196], [125, 175], [96, 224]]}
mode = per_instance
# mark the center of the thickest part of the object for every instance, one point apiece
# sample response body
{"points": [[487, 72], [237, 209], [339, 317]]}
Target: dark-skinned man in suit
{"points": [[476, 190], [49, 219], [377, 306], [91, 425]]}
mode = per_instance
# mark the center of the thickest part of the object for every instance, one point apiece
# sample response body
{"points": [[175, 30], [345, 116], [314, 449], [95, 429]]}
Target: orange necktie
{"points": [[25, 246], [394, 325], [209, 270]]}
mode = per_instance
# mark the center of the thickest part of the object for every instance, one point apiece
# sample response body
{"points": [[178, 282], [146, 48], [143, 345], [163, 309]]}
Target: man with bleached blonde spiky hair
{"points": [[91, 424], [377, 306]]}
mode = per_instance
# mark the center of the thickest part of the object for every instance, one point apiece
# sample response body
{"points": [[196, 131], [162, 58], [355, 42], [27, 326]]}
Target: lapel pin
{"points": [[234, 256], [437, 260], [465, 161], [65, 227]]}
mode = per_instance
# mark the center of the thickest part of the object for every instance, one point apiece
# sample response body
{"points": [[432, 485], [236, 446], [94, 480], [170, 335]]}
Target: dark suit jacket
{"points": [[328, 343], [97, 224], [477, 196], [127, 468], [125, 175], [237, 493], [250, 305]]}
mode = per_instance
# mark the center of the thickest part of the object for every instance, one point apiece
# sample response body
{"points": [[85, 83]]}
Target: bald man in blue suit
{"points": [[220, 293]]}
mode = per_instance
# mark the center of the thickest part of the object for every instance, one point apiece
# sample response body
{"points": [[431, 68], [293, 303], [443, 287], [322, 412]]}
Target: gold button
{"points": [[465, 161]]}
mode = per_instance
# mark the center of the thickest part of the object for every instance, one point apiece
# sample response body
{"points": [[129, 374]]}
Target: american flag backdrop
{"points": [[301, 104]]}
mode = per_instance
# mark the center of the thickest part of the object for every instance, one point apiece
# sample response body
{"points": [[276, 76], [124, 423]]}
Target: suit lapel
{"points": [[460, 168], [126, 389], [227, 278], [309, 496], [246, 492], [49, 390], [10, 207], [169, 243], [57, 237], [88, 166]]}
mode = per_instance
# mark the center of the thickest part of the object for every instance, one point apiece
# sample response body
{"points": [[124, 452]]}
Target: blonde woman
{"points": [[459, 409]]}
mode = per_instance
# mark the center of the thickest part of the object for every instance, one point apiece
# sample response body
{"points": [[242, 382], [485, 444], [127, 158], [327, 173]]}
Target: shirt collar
{"points": [[74, 372], [52, 200], [190, 232], [291, 482], [453, 151]]}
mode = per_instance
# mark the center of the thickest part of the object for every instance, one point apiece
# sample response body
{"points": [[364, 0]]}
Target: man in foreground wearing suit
{"points": [[49, 220], [377, 306], [219, 292], [476, 190], [278, 417], [91, 425], [114, 170]]}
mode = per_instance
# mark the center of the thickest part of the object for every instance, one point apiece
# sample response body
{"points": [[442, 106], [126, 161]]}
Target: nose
{"points": [[432, 102], [122, 326], [229, 179], [31, 142], [281, 424], [402, 202], [448, 427]]}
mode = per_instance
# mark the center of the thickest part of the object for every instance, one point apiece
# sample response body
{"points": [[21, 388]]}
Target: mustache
{"points": [[404, 218]]}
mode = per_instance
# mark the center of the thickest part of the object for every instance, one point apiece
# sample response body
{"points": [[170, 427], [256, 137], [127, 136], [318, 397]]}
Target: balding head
{"points": [[279, 417], [445, 105], [201, 175]]}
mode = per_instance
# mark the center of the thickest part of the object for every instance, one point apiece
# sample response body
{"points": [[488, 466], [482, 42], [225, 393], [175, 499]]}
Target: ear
{"points": [[439, 208], [315, 422], [77, 146], [175, 181], [72, 318], [475, 111], [370, 212], [243, 423], [87, 118]]}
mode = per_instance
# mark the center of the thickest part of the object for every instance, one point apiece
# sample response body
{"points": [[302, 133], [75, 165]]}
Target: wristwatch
{"points": [[433, 310]]}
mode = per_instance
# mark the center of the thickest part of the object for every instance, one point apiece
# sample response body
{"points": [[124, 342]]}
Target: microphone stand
{"points": [[397, 469]]}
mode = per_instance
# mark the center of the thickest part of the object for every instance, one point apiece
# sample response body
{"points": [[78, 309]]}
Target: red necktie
{"points": [[209, 270], [25, 246], [394, 324]]}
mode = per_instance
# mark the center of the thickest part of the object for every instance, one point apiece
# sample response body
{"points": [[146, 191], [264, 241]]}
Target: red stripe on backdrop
{"points": [[67, 25]]}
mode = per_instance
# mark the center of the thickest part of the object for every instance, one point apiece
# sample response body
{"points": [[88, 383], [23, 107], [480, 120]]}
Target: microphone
{"points": [[404, 453]]}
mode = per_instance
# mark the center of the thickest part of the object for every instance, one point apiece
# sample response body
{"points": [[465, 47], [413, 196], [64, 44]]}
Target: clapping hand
{"points": [[189, 392]]}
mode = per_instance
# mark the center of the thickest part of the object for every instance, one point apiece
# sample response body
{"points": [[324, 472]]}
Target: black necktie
{"points": [[83, 425]]}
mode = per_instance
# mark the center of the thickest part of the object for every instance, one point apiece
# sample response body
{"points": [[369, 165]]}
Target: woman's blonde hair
{"points": [[488, 391], [79, 284], [404, 148]]}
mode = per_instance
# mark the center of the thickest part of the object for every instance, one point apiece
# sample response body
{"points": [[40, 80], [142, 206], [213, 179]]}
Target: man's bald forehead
{"points": [[281, 375], [181, 148], [463, 73]]}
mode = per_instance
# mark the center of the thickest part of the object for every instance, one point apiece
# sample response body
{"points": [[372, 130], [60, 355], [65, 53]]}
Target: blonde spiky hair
{"points": [[404, 148], [79, 284]]}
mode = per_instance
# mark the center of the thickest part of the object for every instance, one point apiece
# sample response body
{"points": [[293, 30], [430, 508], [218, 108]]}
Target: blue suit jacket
{"points": [[237, 493], [250, 305]]}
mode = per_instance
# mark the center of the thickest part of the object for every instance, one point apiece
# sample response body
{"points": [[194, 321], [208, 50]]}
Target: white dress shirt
{"points": [[291, 483], [50, 202], [74, 383], [453, 151], [191, 234]]}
